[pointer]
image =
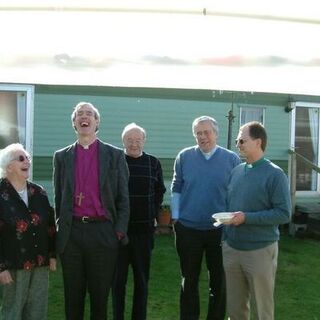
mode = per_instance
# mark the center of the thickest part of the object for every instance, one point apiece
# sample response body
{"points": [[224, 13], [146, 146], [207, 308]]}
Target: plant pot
{"points": [[164, 218]]}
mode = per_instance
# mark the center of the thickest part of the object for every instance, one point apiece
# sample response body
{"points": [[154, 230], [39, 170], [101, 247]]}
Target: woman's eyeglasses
{"points": [[240, 141], [22, 158]]}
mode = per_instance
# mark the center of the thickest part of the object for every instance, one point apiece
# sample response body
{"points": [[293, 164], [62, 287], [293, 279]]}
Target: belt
{"points": [[88, 219]]}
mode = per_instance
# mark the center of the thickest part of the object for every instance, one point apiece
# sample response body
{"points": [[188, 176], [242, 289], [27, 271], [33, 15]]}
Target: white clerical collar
{"points": [[87, 146], [255, 163]]}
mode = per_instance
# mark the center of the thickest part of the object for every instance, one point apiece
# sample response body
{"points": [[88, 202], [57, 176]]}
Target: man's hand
{"points": [[173, 221], [5, 277], [238, 218], [120, 235], [52, 264]]}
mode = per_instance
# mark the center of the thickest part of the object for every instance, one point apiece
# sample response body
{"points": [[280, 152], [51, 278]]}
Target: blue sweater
{"points": [[262, 193], [202, 185]]}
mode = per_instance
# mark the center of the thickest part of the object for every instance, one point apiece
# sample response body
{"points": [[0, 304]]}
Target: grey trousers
{"points": [[250, 279], [27, 297]]}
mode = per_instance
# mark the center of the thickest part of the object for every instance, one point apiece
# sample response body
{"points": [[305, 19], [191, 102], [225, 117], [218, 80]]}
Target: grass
{"points": [[296, 294]]}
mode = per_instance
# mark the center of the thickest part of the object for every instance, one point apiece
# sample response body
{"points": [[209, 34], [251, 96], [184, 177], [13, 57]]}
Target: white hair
{"points": [[132, 126], [7, 155], [212, 121]]}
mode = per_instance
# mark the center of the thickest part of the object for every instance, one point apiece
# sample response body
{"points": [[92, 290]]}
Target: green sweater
{"points": [[261, 191]]}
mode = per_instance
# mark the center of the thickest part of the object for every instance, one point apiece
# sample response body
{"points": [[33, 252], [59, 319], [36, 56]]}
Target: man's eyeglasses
{"points": [[240, 141], [22, 158]]}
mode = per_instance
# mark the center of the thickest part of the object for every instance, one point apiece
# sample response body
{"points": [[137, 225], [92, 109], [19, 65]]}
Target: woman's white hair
{"points": [[6, 156]]}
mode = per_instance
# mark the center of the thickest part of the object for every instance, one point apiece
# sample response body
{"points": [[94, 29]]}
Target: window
{"points": [[16, 115], [251, 114], [306, 143]]}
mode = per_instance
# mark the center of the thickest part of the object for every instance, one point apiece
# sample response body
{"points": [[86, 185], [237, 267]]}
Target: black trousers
{"points": [[191, 245], [137, 254], [88, 264]]}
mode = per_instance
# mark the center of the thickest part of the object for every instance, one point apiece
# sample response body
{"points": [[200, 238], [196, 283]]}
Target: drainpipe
{"points": [[230, 117]]}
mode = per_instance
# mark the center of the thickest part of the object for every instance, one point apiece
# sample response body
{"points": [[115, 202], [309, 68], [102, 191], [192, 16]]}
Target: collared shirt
{"points": [[175, 197], [202, 185], [208, 155], [87, 201], [249, 166]]}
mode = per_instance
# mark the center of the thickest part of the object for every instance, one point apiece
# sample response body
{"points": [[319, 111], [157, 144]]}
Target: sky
{"points": [[232, 45]]}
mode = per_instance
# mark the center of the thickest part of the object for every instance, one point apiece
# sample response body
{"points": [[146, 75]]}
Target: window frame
{"points": [[303, 104]]}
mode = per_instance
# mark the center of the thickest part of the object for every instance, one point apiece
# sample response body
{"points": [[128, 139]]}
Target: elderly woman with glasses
{"points": [[27, 237]]}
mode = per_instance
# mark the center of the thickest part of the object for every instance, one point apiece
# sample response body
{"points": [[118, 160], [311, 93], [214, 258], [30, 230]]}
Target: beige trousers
{"points": [[250, 280]]}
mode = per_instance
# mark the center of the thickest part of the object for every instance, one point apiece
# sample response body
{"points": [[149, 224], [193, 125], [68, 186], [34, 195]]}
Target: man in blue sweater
{"points": [[199, 189], [258, 195]]}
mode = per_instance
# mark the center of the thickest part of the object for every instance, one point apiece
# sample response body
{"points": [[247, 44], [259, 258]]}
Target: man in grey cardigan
{"points": [[92, 212], [258, 195]]}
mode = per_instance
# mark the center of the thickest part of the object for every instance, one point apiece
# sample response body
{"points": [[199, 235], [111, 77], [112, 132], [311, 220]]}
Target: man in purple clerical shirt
{"points": [[92, 213]]}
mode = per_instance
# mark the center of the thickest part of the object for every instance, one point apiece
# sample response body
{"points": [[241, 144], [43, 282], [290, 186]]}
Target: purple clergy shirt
{"points": [[86, 199]]}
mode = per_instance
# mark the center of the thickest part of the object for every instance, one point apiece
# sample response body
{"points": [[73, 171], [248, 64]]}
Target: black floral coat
{"points": [[27, 234]]}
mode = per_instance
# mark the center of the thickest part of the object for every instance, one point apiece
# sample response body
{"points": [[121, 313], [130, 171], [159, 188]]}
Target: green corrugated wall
{"points": [[166, 115]]}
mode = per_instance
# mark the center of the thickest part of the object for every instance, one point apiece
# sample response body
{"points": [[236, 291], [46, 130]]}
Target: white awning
{"points": [[251, 45]]}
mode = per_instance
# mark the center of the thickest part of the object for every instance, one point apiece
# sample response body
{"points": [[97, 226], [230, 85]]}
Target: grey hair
{"points": [[132, 126], [81, 104], [212, 121], [7, 155]]}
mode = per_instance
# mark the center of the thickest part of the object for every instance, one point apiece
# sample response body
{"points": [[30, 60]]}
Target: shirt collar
{"points": [[256, 163], [89, 146], [125, 152], [209, 154]]}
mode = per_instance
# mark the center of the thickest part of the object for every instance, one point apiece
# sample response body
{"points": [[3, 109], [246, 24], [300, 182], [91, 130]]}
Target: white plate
{"points": [[223, 217]]}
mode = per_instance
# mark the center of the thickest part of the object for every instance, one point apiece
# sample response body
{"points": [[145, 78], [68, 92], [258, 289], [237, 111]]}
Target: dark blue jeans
{"points": [[191, 245]]}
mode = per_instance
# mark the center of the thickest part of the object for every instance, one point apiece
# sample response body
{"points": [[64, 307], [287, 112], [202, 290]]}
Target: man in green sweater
{"points": [[258, 195]]}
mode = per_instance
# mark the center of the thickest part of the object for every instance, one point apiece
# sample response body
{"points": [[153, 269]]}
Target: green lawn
{"points": [[297, 285]]}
